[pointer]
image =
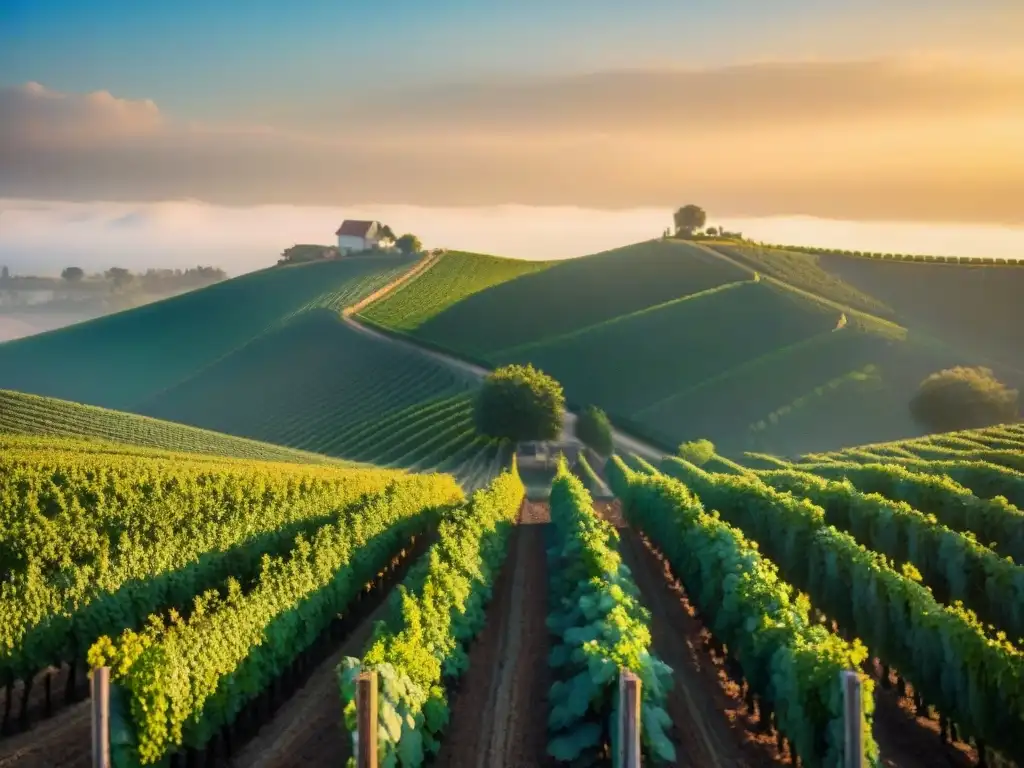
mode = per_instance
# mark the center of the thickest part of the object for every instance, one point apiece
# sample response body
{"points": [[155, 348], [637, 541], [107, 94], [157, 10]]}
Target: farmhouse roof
{"points": [[353, 228]]}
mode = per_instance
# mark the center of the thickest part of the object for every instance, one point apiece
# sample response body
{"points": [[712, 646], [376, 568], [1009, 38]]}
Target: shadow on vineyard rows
{"points": [[64, 740], [52, 690], [715, 723]]}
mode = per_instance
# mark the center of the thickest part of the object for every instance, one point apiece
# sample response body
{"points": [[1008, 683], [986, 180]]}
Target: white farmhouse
{"points": [[355, 236]]}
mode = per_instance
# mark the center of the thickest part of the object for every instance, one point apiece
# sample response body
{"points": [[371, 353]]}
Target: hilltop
{"points": [[756, 348]]}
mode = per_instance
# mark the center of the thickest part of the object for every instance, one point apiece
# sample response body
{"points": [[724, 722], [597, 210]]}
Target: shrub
{"points": [[519, 402], [698, 452], [963, 398], [594, 429]]}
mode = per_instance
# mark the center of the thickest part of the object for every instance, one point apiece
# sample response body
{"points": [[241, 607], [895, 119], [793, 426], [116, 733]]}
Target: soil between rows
{"points": [[499, 714], [713, 718]]}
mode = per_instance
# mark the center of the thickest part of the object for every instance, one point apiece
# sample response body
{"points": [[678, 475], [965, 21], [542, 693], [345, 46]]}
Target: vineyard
{"points": [[235, 603], [120, 360], [771, 350], [826, 349], [562, 297], [22, 414]]}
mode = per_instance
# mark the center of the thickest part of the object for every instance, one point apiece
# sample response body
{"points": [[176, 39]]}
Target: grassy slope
{"points": [[562, 297], [266, 357], [456, 276], [119, 360], [650, 368], [972, 305], [45, 417], [804, 271], [666, 337], [316, 384]]}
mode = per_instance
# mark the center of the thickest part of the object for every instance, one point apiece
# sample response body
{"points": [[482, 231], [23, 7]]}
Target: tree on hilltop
{"points": [[964, 398], [73, 274], [409, 243], [518, 402], [689, 219]]}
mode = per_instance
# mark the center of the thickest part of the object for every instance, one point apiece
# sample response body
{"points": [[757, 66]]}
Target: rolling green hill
{"points": [[456, 277], [317, 384], [975, 305], [755, 348], [530, 306], [26, 416], [119, 360], [267, 357]]}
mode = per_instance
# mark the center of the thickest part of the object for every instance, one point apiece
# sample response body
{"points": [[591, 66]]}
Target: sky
{"points": [[905, 114]]}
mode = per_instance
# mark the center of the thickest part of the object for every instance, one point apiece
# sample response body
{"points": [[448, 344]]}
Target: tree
{"points": [[594, 429], [119, 276], [698, 452], [964, 398], [386, 233], [409, 243], [5, 274], [520, 403], [689, 219], [72, 274]]}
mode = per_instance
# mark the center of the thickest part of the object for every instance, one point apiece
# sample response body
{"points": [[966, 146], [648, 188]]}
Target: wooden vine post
{"points": [[854, 757], [366, 719], [629, 719], [99, 689]]}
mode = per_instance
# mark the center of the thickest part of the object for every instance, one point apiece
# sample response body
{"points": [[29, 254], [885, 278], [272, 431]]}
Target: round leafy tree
{"points": [[964, 398], [520, 403], [698, 452], [594, 429]]}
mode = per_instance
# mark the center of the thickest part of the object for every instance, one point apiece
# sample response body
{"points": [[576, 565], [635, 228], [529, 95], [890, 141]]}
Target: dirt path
{"points": [[62, 740], [712, 721], [499, 715], [711, 725]]}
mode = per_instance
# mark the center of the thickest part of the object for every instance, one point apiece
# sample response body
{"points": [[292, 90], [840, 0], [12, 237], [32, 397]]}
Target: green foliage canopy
{"points": [[595, 430], [698, 452], [689, 219], [964, 398], [409, 243], [520, 403]]}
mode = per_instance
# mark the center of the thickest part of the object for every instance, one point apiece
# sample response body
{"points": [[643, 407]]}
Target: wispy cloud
{"points": [[923, 139]]}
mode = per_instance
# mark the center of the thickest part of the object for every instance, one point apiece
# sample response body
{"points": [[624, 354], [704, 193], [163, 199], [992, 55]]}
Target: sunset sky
{"points": [[862, 110]]}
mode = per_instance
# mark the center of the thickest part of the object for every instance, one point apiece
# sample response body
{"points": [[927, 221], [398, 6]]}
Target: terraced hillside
{"points": [[456, 277], [969, 304], [276, 362], [756, 349], [119, 360], [540, 300], [23, 414]]}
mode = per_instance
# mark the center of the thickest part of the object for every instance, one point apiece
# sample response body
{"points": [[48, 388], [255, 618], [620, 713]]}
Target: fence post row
{"points": [[854, 757], [99, 689], [629, 719], [366, 719]]}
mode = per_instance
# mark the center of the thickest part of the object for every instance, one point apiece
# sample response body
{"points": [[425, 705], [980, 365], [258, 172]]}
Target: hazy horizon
{"points": [[479, 125], [42, 237]]}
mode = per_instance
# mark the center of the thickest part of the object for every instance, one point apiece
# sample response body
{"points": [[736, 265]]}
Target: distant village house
{"points": [[356, 236]]}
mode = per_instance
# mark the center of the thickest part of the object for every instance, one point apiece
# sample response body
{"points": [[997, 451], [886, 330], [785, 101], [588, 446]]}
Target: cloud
{"points": [[929, 140], [32, 115]]}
